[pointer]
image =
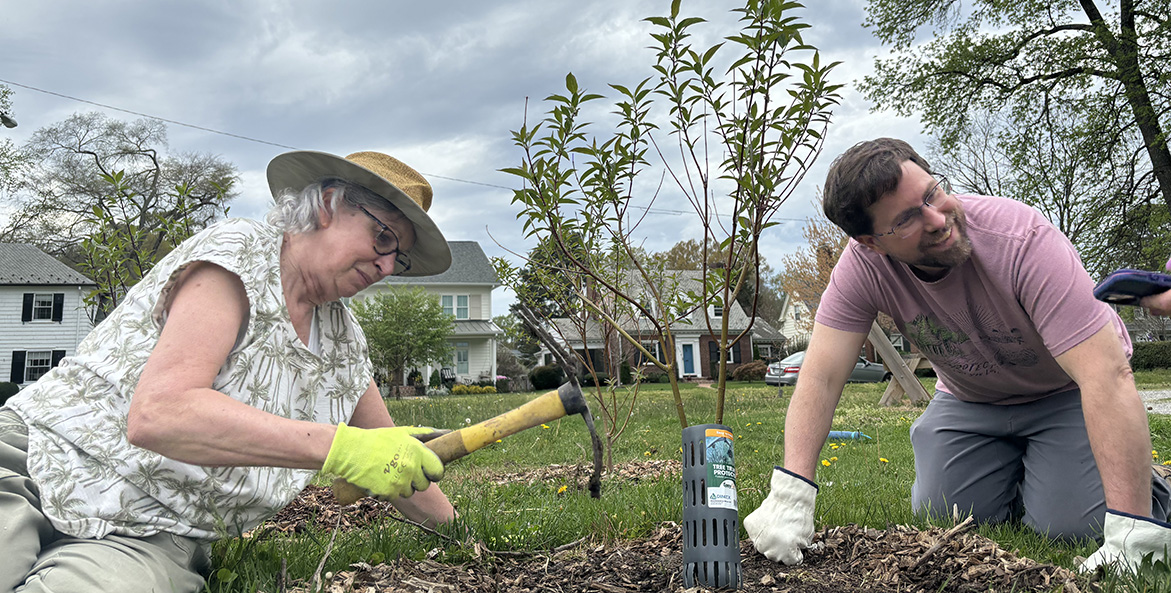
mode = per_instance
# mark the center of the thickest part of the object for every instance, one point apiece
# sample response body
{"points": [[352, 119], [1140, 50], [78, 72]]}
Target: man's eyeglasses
{"points": [[386, 243], [911, 221]]}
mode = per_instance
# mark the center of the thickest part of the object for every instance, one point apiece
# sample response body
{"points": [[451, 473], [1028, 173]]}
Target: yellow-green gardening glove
{"points": [[388, 462]]}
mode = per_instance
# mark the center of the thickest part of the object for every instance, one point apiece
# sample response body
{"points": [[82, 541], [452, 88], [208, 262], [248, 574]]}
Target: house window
{"points": [[652, 347], [456, 305], [713, 353], [37, 363], [717, 310], [42, 306], [461, 358]]}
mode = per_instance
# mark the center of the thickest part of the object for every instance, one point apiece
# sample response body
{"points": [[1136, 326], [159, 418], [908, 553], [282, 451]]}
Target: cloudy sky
{"points": [[438, 85]]}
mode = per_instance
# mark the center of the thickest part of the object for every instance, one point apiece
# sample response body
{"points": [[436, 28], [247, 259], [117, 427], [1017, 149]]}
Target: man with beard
{"points": [[1035, 418]]}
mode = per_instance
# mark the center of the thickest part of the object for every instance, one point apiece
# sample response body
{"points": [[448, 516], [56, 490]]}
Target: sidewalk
{"points": [[1157, 401]]}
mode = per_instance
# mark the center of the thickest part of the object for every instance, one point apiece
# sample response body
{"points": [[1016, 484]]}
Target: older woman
{"points": [[226, 378]]}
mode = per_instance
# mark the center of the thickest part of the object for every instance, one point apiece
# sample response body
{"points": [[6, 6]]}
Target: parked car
{"points": [[785, 371]]}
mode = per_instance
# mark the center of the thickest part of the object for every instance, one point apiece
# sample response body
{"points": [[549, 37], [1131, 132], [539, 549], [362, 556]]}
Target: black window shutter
{"points": [[736, 353], [713, 352], [58, 305], [17, 366], [26, 312], [57, 356]]}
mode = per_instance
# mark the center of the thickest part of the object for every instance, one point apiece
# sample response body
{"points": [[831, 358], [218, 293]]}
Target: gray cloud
{"points": [[440, 85]]}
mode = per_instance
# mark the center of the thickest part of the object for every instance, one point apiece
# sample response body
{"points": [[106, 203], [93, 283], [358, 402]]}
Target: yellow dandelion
{"points": [[545, 426], [825, 462], [499, 441], [562, 489], [884, 460], [647, 453], [758, 423], [833, 458], [1154, 454]]}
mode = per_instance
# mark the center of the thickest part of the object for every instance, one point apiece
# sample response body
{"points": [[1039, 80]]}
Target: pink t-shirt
{"points": [[993, 326]]}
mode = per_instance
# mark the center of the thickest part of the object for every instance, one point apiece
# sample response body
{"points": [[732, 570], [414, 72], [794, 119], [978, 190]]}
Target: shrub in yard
{"points": [[434, 381], [587, 380], [624, 373], [546, 377], [751, 371], [1151, 355], [7, 390]]}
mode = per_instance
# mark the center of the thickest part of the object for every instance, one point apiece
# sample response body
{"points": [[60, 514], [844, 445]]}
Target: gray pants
{"points": [[38, 558], [1031, 462]]}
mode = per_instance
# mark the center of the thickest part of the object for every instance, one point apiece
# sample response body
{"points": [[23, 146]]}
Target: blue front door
{"points": [[688, 360]]}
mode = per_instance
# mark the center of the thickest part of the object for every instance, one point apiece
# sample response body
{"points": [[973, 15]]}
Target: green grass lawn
{"points": [[863, 482]]}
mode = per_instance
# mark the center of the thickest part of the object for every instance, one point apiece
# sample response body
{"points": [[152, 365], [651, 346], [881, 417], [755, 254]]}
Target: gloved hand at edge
{"points": [[1127, 538], [388, 462], [783, 524]]}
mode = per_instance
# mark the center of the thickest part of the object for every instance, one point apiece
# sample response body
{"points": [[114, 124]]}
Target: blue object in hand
{"points": [[846, 435]]}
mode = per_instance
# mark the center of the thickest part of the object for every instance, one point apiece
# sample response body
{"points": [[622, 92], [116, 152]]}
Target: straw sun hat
{"points": [[384, 175]]}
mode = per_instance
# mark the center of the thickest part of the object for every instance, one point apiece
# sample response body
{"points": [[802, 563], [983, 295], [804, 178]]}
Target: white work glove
{"points": [[783, 525], [1127, 538]]}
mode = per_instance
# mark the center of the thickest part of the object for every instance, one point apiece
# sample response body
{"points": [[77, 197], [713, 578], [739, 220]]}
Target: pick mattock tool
{"points": [[570, 370], [452, 445]]}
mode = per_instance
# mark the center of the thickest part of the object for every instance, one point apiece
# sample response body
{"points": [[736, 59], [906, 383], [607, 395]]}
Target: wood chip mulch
{"points": [[852, 560], [844, 559]]}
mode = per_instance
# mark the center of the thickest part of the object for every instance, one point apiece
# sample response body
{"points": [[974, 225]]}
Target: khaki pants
{"points": [[38, 558]]}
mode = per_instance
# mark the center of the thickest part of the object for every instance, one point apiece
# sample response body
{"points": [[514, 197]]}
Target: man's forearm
{"points": [[1120, 438], [806, 424]]}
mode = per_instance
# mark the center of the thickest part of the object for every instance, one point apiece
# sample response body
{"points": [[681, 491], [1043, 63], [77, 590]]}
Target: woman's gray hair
{"points": [[297, 212]]}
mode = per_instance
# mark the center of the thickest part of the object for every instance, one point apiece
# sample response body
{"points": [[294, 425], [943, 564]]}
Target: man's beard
{"points": [[956, 254]]}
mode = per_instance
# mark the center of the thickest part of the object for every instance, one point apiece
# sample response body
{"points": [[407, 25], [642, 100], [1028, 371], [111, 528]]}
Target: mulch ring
{"points": [[843, 559], [851, 559]]}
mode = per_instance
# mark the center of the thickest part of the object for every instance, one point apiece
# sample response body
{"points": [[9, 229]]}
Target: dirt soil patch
{"points": [[844, 559]]}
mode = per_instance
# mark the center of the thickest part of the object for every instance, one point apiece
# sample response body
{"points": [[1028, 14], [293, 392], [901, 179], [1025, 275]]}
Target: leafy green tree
{"points": [[518, 338], [805, 273], [405, 328], [761, 113], [1102, 63], [78, 159], [13, 161]]}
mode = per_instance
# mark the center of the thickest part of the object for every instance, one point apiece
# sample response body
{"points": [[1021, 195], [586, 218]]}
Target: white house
{"points": [[465, 291], [796, 320], [43, 316]]}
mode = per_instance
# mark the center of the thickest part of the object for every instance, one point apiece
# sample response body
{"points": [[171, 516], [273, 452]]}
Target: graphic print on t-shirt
{"points": [[992, 349]]}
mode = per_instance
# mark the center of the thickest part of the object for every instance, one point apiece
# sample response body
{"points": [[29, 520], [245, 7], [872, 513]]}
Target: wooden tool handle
{"points": [[567, 399]]}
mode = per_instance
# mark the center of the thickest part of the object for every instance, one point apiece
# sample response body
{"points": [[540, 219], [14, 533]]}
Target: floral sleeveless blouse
{"points": [[94, 482]]}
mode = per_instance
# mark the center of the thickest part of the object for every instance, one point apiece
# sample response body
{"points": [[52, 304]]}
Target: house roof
{"points": [[764, 332], [469, 265], [680, 281], [21, 263]]}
